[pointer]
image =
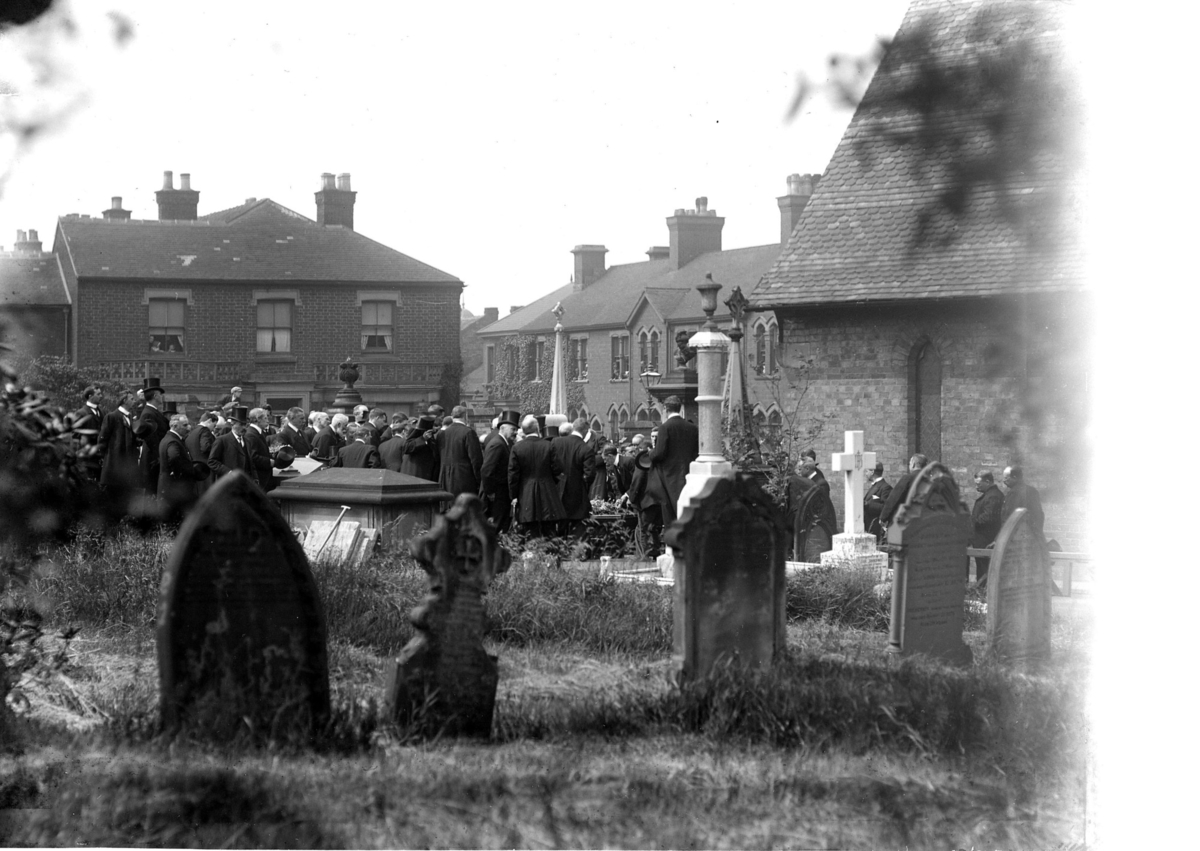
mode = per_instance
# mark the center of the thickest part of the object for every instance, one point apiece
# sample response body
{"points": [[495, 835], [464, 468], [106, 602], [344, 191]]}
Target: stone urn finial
{"points": [[348, 373]]}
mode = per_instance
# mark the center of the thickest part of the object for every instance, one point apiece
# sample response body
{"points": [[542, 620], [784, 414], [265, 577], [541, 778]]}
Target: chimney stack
{"points": [[115, 213], [27, 243], [335, 201], [658, 252], [800, 190], [589, 265], [177, 204], [491, 314], [693, 232]]}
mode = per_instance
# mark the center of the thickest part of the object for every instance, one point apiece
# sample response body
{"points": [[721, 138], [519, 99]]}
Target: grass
{"points": [[839, 745]]}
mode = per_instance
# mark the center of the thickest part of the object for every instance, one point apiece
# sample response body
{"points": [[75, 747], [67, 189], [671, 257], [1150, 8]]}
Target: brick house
{"points": [[35, 307], [259, 296], [959, 332], [621, 324]]}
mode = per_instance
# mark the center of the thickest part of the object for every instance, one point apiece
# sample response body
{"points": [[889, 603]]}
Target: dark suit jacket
{"points": [[461, 459], [118, 451], [533, 474], [359, 456], [797, 486], [259, 458], [1024, 496], [88, 419], [987, 516], [677, 447], [226, 454], [899, 494], [873, 501], [150, 429], [199, 443], [578, 461], [326, 444], [493, 473], [288, 436], [375, 437], [391, 454], [421, 458], [178, 473]]}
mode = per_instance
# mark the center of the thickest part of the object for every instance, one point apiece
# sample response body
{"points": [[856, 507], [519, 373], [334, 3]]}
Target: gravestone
{"points": [[241, 631], [1018, 612], [929, 539], [853, 548], [331, 540], [729, 582], [444, 680]]}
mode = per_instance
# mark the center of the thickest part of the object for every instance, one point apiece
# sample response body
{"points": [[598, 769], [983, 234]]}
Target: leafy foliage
{"points": [[63, 382], [532, 396]]}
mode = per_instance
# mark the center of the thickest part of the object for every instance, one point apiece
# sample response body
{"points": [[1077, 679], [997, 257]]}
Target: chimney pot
{"points": [[20, 236], [116, 202], [185, 181], [168, 180], [33, 236], [343, 181], [701, 204], [327, 181]]}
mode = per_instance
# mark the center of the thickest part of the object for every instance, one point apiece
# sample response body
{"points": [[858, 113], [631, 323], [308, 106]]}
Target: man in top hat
{"points": [[85, 424], [677, 446], [229, 450], [199, 442], [533, 474], [358, 453], [461, 457], [578, 461], [291, 432], [421, 457], [178, 472], [493, 474], [257, 452], [151, 427]]}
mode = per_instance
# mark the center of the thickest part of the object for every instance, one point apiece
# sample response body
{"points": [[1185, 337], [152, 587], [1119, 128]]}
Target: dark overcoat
{"points": [[259, 458], [227, 454], [88, 419], [899, 494], [325, 445], [151, 428], [873, 501], [1022, 495], [199, 443], [118, 451], [391, 454], [987, 516], [178, 474], [578, 461], [288, 436], [461, 459], [493, 475], [359, 455], [677, 446], [421, 457], [533, 474]]}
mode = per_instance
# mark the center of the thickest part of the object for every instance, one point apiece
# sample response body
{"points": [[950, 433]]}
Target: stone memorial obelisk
{"points": [[854, 548], [557, 414]]}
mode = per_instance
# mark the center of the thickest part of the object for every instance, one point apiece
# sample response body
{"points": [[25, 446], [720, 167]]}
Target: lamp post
{"points": [[709, 342]]}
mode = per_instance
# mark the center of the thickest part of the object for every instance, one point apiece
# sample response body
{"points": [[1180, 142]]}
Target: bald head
{"points": [[529, 425]]}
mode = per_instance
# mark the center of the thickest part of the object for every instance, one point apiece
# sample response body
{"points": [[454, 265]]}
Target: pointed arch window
{"points": [[614, 423], [925, 400]]}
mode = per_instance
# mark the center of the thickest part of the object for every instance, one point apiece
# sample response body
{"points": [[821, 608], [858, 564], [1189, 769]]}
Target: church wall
{"points": [[861, 380]]}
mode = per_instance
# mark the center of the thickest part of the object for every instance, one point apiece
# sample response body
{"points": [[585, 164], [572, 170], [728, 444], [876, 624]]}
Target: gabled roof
{"points": [[607, 302], [890, 221], [258, 241], [32, 280]]}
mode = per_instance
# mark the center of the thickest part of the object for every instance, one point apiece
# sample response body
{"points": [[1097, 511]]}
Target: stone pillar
{"points": [[558, 382]]}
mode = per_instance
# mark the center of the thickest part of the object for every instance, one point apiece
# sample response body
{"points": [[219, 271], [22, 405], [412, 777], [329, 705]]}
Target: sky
{"points": [[484, 139]]}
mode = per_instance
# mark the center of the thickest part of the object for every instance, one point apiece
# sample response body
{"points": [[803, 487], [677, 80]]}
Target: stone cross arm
{"points": [[852, 463]]}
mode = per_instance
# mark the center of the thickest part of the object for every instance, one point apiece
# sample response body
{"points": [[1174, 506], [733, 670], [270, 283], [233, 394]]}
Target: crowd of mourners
{"points": [[537, 477]]}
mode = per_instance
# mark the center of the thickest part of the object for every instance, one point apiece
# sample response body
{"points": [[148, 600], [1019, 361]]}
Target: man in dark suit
{"points": [[151, 427], [987, 516], [461, 457], [677, 446], [809, 456], [329, 438], [178, 473], [916, 464], [533, 474], [1021, 495], [399, 420], [647, 494], [578, 461], [199, 444], [797, 486], [118, 451], [617, 474], [421, 450], [85, 424], [391, 453], [878, 491], [257, 452], [358, 454], [493, 474], [291, 433], [229, 450], [377, 421]]}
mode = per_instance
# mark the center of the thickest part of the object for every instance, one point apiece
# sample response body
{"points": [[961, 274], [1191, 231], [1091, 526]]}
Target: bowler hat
{"points": [[152, 383], [510, 417], [239, 414]]}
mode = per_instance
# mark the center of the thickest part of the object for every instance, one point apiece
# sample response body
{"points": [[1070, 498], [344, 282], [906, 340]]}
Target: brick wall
{"points": [[861, 380]]}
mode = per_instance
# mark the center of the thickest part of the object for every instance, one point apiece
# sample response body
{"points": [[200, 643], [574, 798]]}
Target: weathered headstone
{"points": [[331, 540], [853, 548], [241, 631], [444, 680], [729, 581], [929, 538], [1018, 612]]}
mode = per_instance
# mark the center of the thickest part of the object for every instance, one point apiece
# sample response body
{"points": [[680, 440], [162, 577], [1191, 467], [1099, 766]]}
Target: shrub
{"points": [[838, 595]]}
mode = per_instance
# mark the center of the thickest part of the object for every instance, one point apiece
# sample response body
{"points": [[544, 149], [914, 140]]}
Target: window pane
{"points": [[283, 339], [385, 312], [265, 338], [266, 314]]}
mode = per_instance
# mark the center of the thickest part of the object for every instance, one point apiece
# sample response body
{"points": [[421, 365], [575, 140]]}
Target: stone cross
{"points": [[852, 462]]}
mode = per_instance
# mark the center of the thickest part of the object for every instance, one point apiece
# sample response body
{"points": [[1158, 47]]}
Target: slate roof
{"points": [[879, 228], [608, 301], [258, 241], [32, 280]]}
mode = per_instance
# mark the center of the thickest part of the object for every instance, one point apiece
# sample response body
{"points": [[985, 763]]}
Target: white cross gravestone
{"points": [[855, 548]]}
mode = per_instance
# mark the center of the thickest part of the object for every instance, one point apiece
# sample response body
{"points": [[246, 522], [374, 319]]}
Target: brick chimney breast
{"points": [[589, 265], [177, 204], [791, 205], [694, 232], [335, 201]]}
